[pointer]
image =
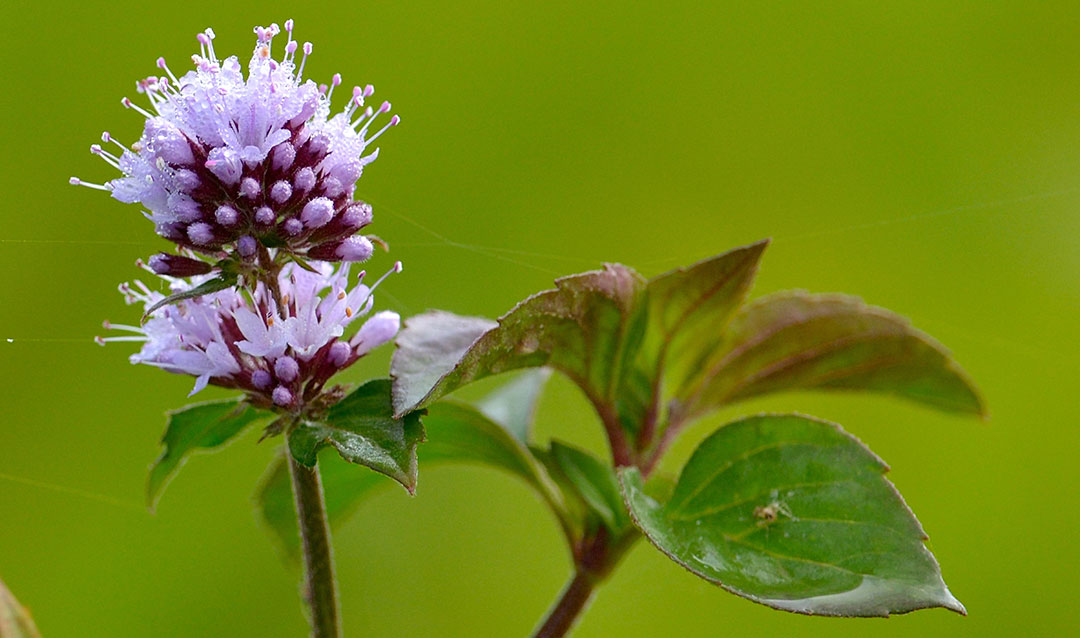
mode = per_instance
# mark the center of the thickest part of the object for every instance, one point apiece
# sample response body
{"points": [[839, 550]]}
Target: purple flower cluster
{"points": [[281, 356], [227, 162], [254, 177]]}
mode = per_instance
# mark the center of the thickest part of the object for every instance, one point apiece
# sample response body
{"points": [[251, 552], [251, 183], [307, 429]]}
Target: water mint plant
{"points": [[253, 179], [786, 510]]}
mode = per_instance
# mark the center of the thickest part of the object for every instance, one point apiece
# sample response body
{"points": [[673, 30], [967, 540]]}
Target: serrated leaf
{"points": [[689, 308], [799, 341], [363, 429], [201, 427], [595, 483], [205, 288], [688, 311], [15, 621], [794, 513], [513, 404], [589, 327], [455, 433]]}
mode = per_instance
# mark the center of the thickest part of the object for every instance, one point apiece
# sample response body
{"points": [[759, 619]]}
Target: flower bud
{"points": [[261, 379], [286, 369], [339, 353], [246, 246], [265, 216], [283, 156], [177, 265], [376, 331], [349, 249], [226, 215], [201, 234], [317, 212], [304, 180], [281, 191], [249, 188], [357, 216], [282, 396]]}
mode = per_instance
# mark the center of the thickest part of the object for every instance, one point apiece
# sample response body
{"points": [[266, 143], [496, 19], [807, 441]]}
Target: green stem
{"points": [[320, 588]]}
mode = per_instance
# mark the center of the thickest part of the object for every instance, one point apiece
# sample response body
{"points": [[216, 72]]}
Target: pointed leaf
{"points": [[196, 428], [688, 312], [363, 429], [595, 482], [799, 341], [689, 308], [205, 288], [588, 327], [794, 513], [15, 621], [427, 348], [513, 404]]}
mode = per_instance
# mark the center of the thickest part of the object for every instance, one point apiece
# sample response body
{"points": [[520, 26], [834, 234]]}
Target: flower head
{"points": [[226, 160], [280, 354]]}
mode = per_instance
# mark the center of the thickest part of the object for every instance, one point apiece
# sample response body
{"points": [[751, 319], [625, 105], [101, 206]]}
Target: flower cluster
{"points": [[280, 355], [256, 173], [226, 163]]}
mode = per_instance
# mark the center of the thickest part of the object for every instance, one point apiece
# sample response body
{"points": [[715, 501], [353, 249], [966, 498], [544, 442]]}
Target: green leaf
{"points": [[455, 432], [15, 621], [799, 341], [426, 349], [363, 429], [794, 513], [513, 404], [688, 311], [689, 308], [595, 483], [196, 428], [460, 432], [588, 327], [205, 288]]}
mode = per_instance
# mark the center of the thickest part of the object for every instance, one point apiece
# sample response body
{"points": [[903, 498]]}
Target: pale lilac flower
{"points": [[226, 158], [375, 332], [281, 356]]}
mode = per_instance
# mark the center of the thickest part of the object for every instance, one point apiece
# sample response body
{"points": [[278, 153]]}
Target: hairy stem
{"points": [[320, 588]]}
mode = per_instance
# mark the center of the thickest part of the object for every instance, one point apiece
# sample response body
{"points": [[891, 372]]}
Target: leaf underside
{"points": [[15, 621], [794, 513], [427, 348]]}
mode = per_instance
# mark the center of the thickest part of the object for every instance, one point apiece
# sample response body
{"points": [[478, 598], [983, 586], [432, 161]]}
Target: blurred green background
{"points": [[923, 155]]}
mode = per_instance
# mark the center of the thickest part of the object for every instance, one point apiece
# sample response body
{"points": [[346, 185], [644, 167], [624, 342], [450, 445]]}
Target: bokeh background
{"points": [[923, 155]]}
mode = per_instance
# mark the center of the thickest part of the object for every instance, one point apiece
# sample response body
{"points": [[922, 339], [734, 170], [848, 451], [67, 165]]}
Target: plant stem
{"points": [[572, 603], [320, 588], [597, 557]]}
